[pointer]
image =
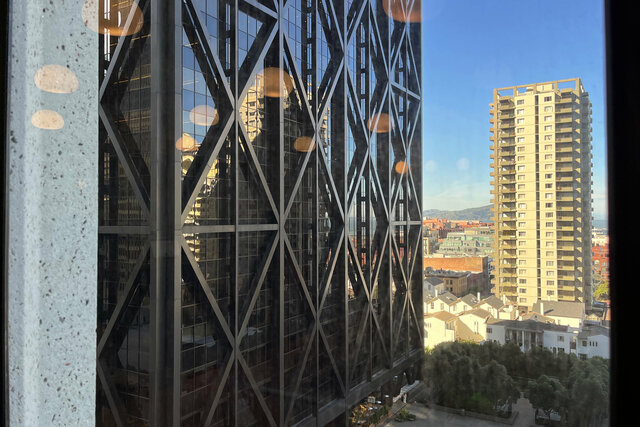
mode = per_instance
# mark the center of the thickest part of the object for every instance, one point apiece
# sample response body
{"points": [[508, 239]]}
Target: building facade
{"points": [[541, 183], [600, 260], [477, 241], [260, 210]]}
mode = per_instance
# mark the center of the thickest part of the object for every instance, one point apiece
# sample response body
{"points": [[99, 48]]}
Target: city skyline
{"points": [[460, 72]]}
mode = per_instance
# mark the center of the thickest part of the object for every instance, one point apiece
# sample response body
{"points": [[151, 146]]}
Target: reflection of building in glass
{"points": [[258, 241], [542, 192]]}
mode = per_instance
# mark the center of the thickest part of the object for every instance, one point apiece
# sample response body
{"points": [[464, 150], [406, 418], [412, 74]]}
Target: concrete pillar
{"points": [[53, 219]]}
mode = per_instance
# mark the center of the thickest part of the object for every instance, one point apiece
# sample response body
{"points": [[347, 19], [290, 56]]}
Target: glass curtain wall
{"points": [[260, 212]]}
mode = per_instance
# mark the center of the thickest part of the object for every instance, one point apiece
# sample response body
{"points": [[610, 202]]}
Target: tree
{"points": [[496, 384], [512, 358], [602, 291], [589, 402], [547, 394], [588, 384]]}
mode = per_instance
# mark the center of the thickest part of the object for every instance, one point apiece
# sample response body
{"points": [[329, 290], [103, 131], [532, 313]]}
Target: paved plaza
{"points": [[433, 417]]}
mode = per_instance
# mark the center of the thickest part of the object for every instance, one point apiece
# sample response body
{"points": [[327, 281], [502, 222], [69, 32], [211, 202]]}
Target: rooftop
{"points": [[532, 315], [493, 301], [560, 309], [593, 330], [478, 312], [528, 325], [469, 299], [445, 316]]}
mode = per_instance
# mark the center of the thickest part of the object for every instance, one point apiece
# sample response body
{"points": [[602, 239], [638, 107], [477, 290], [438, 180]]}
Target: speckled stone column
{"points": [[53, 212]]}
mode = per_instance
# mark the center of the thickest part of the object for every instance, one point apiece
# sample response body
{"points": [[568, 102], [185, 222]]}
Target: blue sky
{"points": [[471, 47]]}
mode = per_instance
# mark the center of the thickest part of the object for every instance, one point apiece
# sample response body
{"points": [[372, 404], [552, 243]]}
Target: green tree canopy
{"points": [[547, 394], [602, 291]]}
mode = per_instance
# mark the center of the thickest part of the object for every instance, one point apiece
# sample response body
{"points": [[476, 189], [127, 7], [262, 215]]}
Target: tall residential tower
{"points": [[541, 183]]}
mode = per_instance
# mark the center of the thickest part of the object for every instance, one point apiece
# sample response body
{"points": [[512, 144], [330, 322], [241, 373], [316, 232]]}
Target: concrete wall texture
{"points": [[53, 208]]}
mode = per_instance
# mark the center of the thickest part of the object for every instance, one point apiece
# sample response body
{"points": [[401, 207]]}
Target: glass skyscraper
{"points": [[260, 256]]}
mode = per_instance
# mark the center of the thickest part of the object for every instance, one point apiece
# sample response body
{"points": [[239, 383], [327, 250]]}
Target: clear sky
{"points": [[471, 47]]}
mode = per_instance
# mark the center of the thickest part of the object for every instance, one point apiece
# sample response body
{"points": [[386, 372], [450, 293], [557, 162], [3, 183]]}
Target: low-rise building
{"points": [[592, 341], [438, 328], [529, 333], [431, 286], [476, 320], [441, 302], [465, 333], [499, 308], [567, 313], [456, 282], [478, 268], [464, 303]]}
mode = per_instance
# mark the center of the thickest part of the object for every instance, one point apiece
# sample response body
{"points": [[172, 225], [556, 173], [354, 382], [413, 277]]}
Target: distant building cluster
{"points": [[559, 326], [600, 256], [459, 275], [475, 241]]}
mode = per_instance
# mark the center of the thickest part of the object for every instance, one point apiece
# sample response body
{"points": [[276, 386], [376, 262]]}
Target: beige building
{"points": [[541, 186], [439, 328]]}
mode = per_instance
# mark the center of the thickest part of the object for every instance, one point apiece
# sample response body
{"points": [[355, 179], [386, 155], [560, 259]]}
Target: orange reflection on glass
{"points": [[186, 143], [401, 168], [113, 18], [204, 115], [403, 10], [273, 76], [304, 144], [56, 79], [380, 123], [47, 119]]}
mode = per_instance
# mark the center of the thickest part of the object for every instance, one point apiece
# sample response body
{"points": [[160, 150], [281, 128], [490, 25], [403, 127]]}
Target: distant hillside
{"points": [[483, 213]]}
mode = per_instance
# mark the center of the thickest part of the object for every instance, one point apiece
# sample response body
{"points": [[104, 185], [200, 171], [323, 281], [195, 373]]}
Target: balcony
{"points": [[564, 139], [563, 100], [564, 119], [563, 149], [565, 158], [506, 143]]}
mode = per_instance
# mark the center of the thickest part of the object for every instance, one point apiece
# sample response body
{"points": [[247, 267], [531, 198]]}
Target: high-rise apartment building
{"points": [[260, 210], [541, 183]]}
